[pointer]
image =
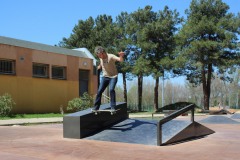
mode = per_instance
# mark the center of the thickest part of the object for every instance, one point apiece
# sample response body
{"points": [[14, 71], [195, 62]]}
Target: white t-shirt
{"points": [[108, 66]]}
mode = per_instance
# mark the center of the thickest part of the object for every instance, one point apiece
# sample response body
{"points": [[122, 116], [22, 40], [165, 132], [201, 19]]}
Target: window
{"points": [[40, 70], [58, 72], [7, 66]]}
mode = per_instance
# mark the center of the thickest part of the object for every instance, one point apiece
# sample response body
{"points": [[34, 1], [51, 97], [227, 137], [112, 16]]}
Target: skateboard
{"points": [[106, 110]]}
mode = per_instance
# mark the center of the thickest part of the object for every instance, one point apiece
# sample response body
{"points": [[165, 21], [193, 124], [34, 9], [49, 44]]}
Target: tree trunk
{"points": [[124, 87], [140, 81], [206, 85], [156, 94]]}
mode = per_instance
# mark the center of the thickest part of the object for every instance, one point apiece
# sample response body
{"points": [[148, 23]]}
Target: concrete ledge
{"points": [[84, 123]]}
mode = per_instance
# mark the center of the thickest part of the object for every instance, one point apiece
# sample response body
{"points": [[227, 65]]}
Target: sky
{"points": [[48, 21]]}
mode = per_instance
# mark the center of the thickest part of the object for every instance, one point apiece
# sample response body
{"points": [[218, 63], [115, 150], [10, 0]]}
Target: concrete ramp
{"points": [[142, 131], [220, 112], [118, 128], [170, 130], [178, 131], [236, 115], [136, 131], [218, 120]]}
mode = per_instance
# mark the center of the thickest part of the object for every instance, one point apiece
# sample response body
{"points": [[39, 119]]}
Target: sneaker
{"points": [[93, 110], [113, 110]]}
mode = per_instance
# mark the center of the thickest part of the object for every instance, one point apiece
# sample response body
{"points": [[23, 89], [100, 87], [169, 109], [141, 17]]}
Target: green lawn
{"points": [[17, 116], [141, 113], [49, 115]]}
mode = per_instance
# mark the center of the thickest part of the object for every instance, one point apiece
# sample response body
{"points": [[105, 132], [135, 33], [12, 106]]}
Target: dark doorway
{"points": [[83, 81]]}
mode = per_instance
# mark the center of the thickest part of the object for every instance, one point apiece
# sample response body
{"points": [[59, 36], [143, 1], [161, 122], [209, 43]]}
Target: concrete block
{"points": [[84, 123]]}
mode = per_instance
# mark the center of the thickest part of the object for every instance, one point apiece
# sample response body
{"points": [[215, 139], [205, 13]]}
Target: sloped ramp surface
{"points": [[176, 131], [171, 128], [218, 120], [136, 131], [236, 115]]}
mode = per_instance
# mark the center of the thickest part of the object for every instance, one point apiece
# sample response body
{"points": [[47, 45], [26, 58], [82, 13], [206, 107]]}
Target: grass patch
{"points": [[140, 113], [20, 116]]}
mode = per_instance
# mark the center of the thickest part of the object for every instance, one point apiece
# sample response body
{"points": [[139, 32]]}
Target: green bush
{"points": [[6, 104], [78, 104]]}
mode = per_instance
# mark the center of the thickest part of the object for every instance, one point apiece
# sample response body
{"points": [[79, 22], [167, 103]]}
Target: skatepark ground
{"points": [[45, 141]]}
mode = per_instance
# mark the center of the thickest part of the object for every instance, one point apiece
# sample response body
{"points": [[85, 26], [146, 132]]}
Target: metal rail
{"points": [[171, 117]]}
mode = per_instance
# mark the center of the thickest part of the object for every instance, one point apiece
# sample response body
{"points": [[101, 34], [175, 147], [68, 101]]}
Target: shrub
{"points": [[6, 104], [81, 103], [176, 106]]}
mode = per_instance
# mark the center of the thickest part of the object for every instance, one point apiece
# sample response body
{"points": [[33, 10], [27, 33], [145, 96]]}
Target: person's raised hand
{"points": [[121, 54]]}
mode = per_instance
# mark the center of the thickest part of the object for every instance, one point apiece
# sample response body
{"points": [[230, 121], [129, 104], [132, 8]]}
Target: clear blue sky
{"points": [[48, 21]]}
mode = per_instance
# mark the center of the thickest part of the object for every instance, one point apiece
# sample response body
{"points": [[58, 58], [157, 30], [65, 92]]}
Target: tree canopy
{"points": [[206, 42]]}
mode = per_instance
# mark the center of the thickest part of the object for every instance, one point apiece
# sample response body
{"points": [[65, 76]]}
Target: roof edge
{"points": [[41, 47]]}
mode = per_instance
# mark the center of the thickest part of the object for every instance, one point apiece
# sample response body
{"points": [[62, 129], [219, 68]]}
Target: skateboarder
{"points": [[110, 76]]}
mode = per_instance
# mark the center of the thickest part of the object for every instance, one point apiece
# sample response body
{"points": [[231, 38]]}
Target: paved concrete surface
{"points": [[45, 141]]}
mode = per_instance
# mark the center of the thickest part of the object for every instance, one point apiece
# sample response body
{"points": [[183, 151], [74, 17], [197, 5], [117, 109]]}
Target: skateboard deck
{"points": [[106, 110]]}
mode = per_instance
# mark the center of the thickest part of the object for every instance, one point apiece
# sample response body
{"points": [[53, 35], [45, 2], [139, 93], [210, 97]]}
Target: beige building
{"points": [[42, 78]]}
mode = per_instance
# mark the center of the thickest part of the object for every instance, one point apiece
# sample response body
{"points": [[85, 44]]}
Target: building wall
{"points": [[43, 95]]}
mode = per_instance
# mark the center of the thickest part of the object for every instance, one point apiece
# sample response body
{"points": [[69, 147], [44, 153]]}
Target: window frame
{"points": [[10, 70], [45, 69], [64, 72]]}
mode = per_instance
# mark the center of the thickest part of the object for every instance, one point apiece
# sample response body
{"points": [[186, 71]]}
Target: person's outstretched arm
{"points": [[121, 55]]}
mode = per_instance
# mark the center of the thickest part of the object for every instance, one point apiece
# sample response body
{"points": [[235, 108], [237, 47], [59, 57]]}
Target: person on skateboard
{"points": [[110, 76]]}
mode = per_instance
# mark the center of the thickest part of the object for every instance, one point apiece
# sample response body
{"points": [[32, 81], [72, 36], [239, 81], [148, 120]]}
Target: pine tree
{"points": [[208, 43]]}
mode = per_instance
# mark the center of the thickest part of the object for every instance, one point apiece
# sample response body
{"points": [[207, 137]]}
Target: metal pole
{"points": [[238, 94], [237, 101], [159, 134], [229, 99], [163, 91], [192, 114]]}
